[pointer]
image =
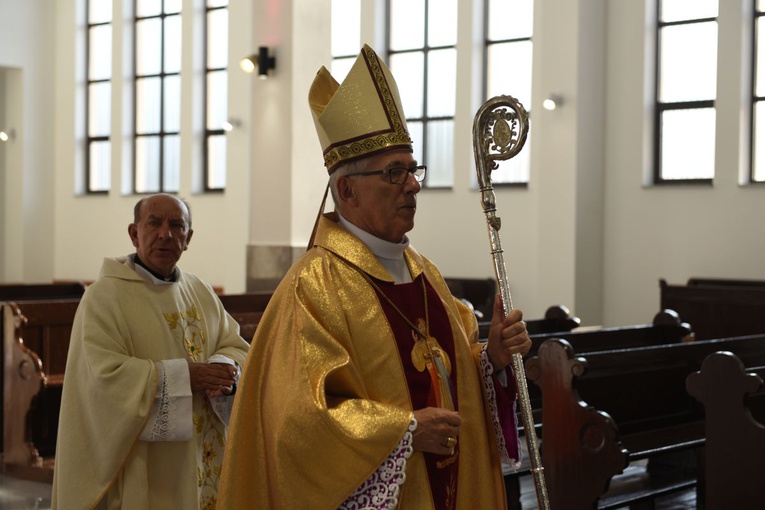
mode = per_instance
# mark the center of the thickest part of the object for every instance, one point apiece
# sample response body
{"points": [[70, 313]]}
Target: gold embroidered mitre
{"points": [[361, 117]]}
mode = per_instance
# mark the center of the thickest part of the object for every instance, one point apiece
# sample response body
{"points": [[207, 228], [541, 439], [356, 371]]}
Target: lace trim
{"points": [[487, 369], [163, 428], [380, 491]]}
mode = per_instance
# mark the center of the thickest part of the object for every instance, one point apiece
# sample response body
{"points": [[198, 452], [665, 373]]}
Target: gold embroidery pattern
{"points": [[210, 460], [190, 323]]}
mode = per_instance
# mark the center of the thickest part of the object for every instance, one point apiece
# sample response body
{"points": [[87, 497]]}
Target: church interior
{"points": [[596, 246]]}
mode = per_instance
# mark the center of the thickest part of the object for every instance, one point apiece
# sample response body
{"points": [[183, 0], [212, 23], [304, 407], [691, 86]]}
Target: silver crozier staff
{"points": [[500, 128]]}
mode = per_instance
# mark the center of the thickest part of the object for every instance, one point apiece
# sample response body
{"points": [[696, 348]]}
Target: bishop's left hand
{"points": [[507, 336]]}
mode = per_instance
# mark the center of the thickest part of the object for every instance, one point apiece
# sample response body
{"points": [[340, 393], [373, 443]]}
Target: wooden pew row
{"points": [[718, 308], [35, 342], [734, 400], [666, 328], [14, 292], [603, 410]]}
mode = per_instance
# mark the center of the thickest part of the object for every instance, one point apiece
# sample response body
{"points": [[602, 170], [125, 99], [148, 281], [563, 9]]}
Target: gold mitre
{"points": [[361, 117]]}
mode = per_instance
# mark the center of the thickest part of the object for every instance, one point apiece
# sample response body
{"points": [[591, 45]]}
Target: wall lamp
{"points": [[262, 62], [552, 102], [7, 134]]}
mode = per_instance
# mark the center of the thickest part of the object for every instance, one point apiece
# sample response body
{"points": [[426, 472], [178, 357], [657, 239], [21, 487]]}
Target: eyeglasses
{"points": [[398, 174]]}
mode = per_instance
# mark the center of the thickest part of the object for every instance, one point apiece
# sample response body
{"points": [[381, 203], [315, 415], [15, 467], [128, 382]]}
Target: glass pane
{"points": [[147, 8], [440, 154], [99, 11], [760, 5], [147, 164], [688, 144], [100, 53], [173, 6], [217, 99], [442, 23], [442, 82], [415, 132], [510, 20], [216, 162], [99, 109], [346, 27], [760, 65], [217, 3], [172, 104], [511, 80], [514, 170], [407, 24], [688, 62], [758, 165], [172, 164], [341, 67], [408, 70], [173, 44], [100, 175], [217, 39], [147, 105], [148, 40], [678, 10]]}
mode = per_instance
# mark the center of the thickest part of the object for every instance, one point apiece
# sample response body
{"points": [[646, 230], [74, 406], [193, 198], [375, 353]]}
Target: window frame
{"points": [[661, 107], [161, 134], [208, 133], [90, 140]]}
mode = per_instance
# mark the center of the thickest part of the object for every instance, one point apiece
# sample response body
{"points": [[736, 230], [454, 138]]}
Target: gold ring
{"points": [[450, 442]]}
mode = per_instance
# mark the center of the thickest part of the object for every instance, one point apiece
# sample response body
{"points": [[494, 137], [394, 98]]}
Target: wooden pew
{"points": [[718, 308], [246, 309], [603, 410], [35, 344], [734, 401], [557, 319], [34, 291], [666, 328], [479, 292]]}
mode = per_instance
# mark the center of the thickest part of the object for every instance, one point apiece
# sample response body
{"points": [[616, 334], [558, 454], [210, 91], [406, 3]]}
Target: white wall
{"points": [[587, 232]]}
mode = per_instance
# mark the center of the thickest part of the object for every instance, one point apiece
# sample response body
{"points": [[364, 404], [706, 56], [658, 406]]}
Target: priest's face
{"points": [[376, 205], [162, 232]]}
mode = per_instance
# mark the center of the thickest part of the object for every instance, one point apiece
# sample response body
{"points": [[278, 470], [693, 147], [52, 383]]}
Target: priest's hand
{"points": [[212, 378], [437, 430], [507, 336]]}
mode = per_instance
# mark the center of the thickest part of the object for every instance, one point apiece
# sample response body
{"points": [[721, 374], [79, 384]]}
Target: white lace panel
{"points": [[487, 369], [170, 417], [380, 491]]}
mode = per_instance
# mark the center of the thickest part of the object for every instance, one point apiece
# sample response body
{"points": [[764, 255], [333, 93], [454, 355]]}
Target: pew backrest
{"points": [[247, 309], [42, 291], [603, 409], [718, 309], [734, 400]]}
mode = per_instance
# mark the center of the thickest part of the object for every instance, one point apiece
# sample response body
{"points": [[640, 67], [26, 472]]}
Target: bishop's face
{"points": [[379, 207]]}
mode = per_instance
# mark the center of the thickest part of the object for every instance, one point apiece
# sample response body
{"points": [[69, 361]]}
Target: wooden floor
{"points": [[681, 501]]}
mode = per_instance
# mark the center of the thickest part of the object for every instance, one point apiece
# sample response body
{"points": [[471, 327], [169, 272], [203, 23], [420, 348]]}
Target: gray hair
{"points": [[352, 167]]}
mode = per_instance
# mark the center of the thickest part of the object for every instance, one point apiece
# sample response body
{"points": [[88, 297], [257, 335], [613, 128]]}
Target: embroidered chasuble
{"points": [[327, 393], [126, 368]]}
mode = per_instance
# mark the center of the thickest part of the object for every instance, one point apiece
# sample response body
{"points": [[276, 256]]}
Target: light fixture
{"points": [[260, 62], [552, 102], [7, 134], [230, 124]]}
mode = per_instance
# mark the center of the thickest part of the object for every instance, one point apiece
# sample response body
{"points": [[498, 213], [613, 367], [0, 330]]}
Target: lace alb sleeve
{"points": [[380, 491], [507, 435], [170, 418]]}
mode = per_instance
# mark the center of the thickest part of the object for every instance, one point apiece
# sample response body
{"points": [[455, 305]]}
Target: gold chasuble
{"points": [[332, 378]]}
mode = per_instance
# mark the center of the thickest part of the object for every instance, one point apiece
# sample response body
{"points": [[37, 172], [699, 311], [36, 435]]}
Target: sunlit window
{"points": [[423, 58], [98, 151], [509, 26], [216, 112], [157, 95], [686, 89], [346, 36], [758, 95]]}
